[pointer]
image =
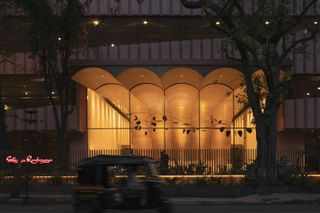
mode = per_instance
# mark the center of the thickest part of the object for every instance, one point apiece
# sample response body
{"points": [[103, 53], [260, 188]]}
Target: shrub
{"points": [[56, 179]]}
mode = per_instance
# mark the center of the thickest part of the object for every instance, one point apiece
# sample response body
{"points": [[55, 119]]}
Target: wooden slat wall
{"points": [[161, 7], [169, 7], [175, 50], [302, 113]]}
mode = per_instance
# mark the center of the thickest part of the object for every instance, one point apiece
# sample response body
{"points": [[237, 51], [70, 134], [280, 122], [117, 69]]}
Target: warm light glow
{"points": [[318, 88], [141, 76], [52, 93], [103, 120], [315, 22], [59, 38], [95, 22], [102, 76], [308, 93], [26, 93], [113, 45], [145, 22], [218, 23], [267, 22], [6, 107]]}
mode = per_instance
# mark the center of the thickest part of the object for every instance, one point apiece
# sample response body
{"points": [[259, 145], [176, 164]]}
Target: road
{"points": [[290, 208]]}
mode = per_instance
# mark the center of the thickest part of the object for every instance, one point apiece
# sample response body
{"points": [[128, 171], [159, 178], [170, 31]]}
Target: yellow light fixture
{"points": [[95, 22], [145, 22], [6, 107]]}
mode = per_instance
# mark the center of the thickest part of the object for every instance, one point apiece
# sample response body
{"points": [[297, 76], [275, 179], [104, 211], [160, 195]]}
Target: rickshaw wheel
{"points": [[165, 207], [87, 207]]}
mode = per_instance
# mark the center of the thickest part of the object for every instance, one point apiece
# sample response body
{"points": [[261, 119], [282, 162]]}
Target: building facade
{"points": [[154, 75]]}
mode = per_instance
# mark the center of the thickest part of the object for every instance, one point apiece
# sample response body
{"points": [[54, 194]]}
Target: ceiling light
{"points": [[52, 93], [6, 107], [95, 22], [315, 22], [267, 22], [26, 93], [308, 93], [318, 88], [218, 23], [112, 45], [59, 38], [145, 22]]}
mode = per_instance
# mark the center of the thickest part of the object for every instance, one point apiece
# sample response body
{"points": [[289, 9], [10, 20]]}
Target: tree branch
{"points": [[192, 4], [295, 43]]}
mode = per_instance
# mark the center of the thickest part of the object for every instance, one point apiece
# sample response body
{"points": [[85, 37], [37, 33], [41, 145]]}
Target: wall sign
{"points": [[29, 159]]}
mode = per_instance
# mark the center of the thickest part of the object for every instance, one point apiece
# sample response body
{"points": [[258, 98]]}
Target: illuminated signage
{"points": [[29, 159]]}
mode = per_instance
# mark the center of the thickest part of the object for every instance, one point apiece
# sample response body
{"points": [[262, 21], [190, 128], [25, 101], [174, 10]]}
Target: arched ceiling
{"points": [[94, 77], [227, 76], [136, 76], [181, 75], [181, 87]]}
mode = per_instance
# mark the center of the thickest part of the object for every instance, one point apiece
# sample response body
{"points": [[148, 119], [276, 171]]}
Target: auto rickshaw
{"points": [[118, 182]]}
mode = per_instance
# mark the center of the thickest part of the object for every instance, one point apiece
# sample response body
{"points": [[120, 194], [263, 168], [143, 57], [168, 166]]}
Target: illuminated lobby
{"points": [[179, 109]]}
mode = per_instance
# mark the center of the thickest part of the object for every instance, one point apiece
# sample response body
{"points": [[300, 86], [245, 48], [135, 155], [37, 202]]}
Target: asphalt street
{"points": [[62, 208]]}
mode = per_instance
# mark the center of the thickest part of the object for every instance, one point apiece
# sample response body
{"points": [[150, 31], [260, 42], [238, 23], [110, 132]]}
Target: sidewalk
{"points": [[255, 199]]}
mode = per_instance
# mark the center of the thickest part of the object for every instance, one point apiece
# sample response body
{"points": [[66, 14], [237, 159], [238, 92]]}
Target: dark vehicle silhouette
{"points": [[118, 182]]}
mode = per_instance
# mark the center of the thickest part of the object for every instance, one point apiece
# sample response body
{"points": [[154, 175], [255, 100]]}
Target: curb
{"points": [[247, 200]]}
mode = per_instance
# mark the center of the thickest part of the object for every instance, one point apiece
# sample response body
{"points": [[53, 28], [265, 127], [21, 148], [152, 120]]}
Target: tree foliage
{"points": [[264, 37], [56, 28]]}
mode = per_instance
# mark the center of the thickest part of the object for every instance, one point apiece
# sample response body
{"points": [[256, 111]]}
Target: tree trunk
{"points": [[61, 148], [266, 147], [3, 133]]}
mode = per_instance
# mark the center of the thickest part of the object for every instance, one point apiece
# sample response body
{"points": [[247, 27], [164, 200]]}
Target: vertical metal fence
{"points": [[213, 161]]}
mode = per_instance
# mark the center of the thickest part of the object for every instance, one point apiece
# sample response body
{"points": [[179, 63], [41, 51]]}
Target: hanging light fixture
{"points": [[164, 118], [249, 130]]}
